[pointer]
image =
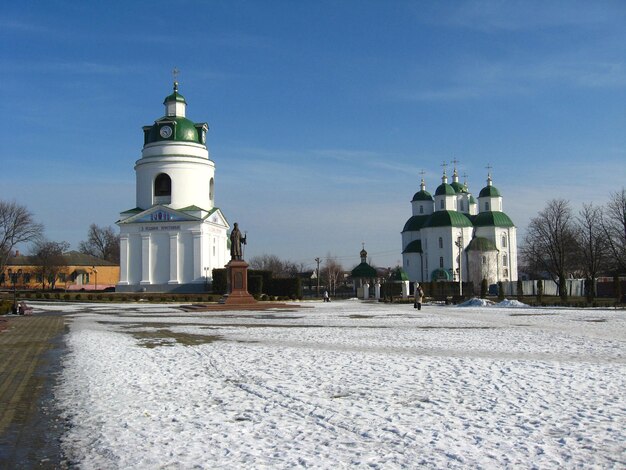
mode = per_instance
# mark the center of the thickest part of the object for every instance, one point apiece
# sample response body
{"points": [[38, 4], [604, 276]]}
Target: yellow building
{"points": [[73, 271]]}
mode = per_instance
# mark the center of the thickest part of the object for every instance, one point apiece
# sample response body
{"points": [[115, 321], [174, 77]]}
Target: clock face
{"points": [[166, 132]]}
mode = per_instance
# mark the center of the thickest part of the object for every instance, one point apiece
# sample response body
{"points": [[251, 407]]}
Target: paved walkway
{"points": [[27, 364]]}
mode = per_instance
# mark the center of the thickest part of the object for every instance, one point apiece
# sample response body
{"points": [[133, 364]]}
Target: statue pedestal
{"points": [[237, 278]]}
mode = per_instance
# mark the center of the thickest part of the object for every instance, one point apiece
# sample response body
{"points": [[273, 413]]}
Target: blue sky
{"points": [[322, 114]]}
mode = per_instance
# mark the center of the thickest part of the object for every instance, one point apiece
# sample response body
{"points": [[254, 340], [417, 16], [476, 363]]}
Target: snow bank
{"points": [[476, 302]]}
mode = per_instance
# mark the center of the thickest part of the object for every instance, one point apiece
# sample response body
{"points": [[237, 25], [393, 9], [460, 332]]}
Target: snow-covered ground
{"points": [[344, 384]]}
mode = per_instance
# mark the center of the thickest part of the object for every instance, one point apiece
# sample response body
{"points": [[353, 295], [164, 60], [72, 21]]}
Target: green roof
{"points": [[399, 275], [414, 247], [364, 270], [422, 195], [481, 244], [415, 223], [136, 210], [183, 130], [489, 191], [447, 219], [492, 219], [445, 189]]}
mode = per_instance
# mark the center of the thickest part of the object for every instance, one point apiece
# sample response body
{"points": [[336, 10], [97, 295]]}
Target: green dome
{"points": [[415, 223], [492, 219], [414, 247], [182, 129], [445, 189], [489, 191], [458, 187], [399, 275], [447, 219], [422, 195], [481, 244], [174, 97]]}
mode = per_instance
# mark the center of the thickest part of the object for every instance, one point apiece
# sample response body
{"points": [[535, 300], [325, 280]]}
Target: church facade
{"points": [[175, 236], [451, 236]]}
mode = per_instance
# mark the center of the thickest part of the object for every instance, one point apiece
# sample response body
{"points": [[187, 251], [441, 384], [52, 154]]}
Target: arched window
{"points": [[212, 189], [504, 260], [486, 206], [421, 209], [462, 206], [441, 204], [440, 242], [162, 185], [504, 240], [441, 261]]}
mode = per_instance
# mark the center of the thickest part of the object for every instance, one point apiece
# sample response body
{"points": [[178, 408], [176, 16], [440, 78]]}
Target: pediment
{"points": [[160, 214], [216, 217]]}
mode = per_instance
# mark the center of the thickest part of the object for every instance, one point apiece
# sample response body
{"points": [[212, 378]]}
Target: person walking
{"points": [[326, 297], [419, 296]]}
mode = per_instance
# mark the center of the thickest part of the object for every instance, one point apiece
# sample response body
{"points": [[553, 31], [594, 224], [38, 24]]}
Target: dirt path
{"points": [[29, 359]]}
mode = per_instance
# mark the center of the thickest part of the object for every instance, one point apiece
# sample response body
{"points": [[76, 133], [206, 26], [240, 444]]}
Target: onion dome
{"points": [[422, 194], [489, 190], [458, 187], [444, 189], [447, 219], [481, 244]]}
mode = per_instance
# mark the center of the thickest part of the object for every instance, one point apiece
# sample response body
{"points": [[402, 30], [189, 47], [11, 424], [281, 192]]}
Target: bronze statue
{"points": [[236, 240]]}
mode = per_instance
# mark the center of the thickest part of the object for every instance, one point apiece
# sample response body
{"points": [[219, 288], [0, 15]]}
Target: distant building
{"points": [[452, 236], [75, 271], [174, 236]]}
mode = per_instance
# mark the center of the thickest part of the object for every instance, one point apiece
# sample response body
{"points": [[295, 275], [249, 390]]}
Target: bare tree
{"points": [[549, 241], [333, 271], [49, 261], [273, 263], [614, 227], [102, 242], [592, 245], [16, 226]]}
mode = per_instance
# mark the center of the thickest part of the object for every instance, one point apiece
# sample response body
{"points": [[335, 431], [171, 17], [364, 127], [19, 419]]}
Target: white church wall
{"points": [[160, 256]]}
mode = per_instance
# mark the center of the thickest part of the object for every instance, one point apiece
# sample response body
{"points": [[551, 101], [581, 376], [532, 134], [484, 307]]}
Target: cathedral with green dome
{"points": [[453, 236]]}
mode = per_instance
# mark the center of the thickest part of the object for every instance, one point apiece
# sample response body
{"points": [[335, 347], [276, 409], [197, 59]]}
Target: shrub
{"points": [[46, 295], [89, 296], [38, 295], [66, 296], [77, 297], [6, 306]]}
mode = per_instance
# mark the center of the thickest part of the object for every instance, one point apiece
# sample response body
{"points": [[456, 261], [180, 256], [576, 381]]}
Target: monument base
{"points": [[237, 278]]}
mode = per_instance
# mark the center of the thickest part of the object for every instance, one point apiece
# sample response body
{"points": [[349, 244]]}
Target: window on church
{"points": [[441, 261], [421, 209], [441, 204], [486, 206], [212, 189], [505, 260], [440, 242], [504, 241], [163, 185], [407, 262], [462, 206]]}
